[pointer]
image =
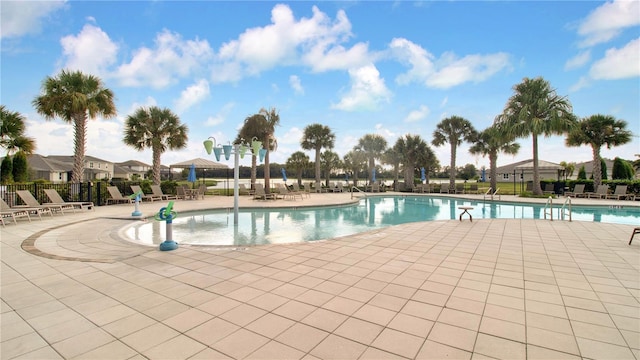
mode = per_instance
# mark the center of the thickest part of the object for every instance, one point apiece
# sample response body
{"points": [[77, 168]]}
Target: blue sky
{"points": [[389, 68]]}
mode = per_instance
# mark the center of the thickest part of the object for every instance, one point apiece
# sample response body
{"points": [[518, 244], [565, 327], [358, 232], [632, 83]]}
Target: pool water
{"points": [[287, 225]]}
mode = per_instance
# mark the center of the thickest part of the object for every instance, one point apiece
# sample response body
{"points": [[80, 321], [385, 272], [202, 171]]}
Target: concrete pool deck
{"points": [[71, 287]]}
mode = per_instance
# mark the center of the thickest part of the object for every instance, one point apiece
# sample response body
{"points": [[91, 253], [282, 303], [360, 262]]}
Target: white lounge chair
{"points": [[55, 198], [32, 202], [157, 191], [7, 212]]}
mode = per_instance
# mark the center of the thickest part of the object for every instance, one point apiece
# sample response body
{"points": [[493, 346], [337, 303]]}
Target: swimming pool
{"points": [[287, 225]]}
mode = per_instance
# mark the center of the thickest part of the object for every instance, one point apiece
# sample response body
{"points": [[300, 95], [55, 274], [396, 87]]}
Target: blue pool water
{"points": [[271, 226]]}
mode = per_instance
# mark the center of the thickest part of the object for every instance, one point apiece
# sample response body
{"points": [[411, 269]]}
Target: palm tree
{"points": [[453, 130], [157, 129], [599, 130], [262, 126], [491, 142], [354, 161], [373, 146], [316, 137], [298, 162], [329, 161], [394, 158], [413, 151], [252, 128], [12, 128], [568, 168], [75, 98], [536, 109]]}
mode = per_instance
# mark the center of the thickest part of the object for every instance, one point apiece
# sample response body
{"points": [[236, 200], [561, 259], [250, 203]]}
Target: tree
{"points": [[373, 146], [20, 168], [6, 170], [316, 137], [453, 130], [568, 168], [582, 173], [536, 109], [413, 151], [597, 131], [156, 129], [329, 161], [12, 129], [75, 98], [468, 172], [251, 128], [298, 162], [354, 161], [490, 142], [394, 158], [622, 170]]}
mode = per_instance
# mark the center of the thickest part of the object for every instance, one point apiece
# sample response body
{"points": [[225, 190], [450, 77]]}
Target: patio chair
{"points": [[199, 193], [32, 202], [444, 188], [473, 189], [116, 196], [419, 188], [296, 188], [635, 231], [55, 198], [549, 189], [244, 190], [184, 193], [285, 192], [600, 193], [578, 191], [261, 194], [7, 212], [375, 187], [157, 191], [460, 188], [620, 193], [137, 189]]}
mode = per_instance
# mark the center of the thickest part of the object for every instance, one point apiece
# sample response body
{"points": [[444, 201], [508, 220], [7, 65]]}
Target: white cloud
{"points": [[192, 95], [296, 84], [19, 18], [417, 115], [607, 21], [91, 51], [444, 101], [221, 116], [315, 42], [583, 82], [447, 71], [291, 137], [578, 61], [618, 63], [170, 59], [367, 90]]}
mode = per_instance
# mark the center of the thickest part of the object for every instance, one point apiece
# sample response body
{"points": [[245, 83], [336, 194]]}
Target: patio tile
{"points": [[275, 350], [375, 354], [294, 310], [552, 340], [81, 343], [180, 347], [324, 319], [343, 305], [430, 297], [460, 318], [598, 333], [540, 353], [112, 350], [187, 320], [359, 330], [435, 351], [397, 342], [504, 329], [374, 314], [212, 331], [499, 348], [270, 325], [240, 343], [128, 325], [335, 347], [243, 314], [411, 324], [599, 350], [21, 345], [453, 336], [302, 337]]}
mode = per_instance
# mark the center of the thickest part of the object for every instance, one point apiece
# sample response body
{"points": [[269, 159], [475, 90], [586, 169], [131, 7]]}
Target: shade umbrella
{"points": [[284, 174], [423, 175], [192, 174], [373, 175]]}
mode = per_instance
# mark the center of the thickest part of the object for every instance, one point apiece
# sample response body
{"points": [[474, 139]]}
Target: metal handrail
{"points": [[356, 188], [492, 193], [562, 211], [549, 204]]}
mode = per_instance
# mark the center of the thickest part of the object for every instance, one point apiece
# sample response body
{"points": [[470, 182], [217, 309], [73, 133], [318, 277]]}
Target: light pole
{"points": [[238, 151]]}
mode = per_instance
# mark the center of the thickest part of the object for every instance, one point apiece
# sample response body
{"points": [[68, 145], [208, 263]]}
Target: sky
{"points": [[360, 67]]}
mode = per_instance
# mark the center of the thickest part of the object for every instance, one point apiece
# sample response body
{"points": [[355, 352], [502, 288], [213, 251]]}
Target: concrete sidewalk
{"points": [[71, 287]]}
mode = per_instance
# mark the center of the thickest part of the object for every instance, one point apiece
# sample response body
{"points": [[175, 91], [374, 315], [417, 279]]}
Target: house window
{"points": [[505, 176], [60, 176], [91, 165]]}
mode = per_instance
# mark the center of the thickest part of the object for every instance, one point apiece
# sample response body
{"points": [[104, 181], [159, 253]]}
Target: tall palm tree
{"points": [[157, 129], [568, 168], [316, 137], [298, 162], [490, 142], [12, 128], [599, 130], [394, 158], [453, 130], [373, 146], [413, 151], [354, 161], [75, 98], [536, 109], [329, 161], [262, 126], [252, 128]]}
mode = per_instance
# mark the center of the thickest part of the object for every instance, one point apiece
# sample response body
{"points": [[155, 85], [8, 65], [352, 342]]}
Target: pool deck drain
{"points": [[495, 288]]}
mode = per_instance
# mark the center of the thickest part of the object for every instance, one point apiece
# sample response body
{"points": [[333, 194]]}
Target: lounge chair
{"points": [[460, 188], [137, 189], [621, 193], [419, 188], [116, 196], [375, 187], [549, 189], [284, 191], [444, 188], [635, 231], [473, 189], [157, 191], [296, 188], [578, 191], [261, 194], [32, 202], [7, 212], [600, 193], [55, 198], [244, 190]]}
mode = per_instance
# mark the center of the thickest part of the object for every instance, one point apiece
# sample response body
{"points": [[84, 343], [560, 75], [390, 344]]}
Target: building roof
{"points": [[133, 163], [527, 165]]}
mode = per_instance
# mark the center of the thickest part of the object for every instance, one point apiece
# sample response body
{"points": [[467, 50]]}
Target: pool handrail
{"points": [[563, 212], [548, 204], [356, 188]]}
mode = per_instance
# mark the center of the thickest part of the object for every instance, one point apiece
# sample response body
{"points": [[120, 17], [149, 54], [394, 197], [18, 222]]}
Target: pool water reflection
{"points": [[287, 225]]}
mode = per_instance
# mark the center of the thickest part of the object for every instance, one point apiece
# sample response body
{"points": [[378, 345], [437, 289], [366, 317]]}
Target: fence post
{"points": [[89, 191]]}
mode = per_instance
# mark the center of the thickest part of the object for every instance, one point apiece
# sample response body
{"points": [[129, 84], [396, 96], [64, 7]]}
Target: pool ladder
{"points": [[565, 210], [356, 188]]}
